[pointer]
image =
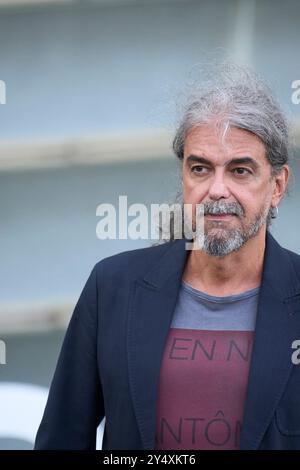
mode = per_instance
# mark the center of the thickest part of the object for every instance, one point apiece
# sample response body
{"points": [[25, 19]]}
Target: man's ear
{"points": [[280, 182]]}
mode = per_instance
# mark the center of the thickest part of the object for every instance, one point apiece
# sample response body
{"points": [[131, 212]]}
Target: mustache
{"points": [[214, 208]]}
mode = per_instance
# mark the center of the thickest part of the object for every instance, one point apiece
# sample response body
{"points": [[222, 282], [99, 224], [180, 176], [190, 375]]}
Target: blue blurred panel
{"points": [[92, 69]]}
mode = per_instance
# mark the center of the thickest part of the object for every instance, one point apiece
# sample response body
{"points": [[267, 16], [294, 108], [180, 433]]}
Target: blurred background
{"points": [[88, 117]]}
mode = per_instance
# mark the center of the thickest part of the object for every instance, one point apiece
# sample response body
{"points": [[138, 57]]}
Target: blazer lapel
{"points": [[277, 325], [152, 303]]}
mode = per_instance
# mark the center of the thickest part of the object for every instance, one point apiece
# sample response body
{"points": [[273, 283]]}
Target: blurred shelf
{"points": [[85, 150], [25, 3], [91, 150], [14, 3], [34, 317]]}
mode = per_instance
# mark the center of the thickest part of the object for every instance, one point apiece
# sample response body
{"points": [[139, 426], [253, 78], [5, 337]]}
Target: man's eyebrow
{"points": [[196, 158], [236, 161], [243, 160]]}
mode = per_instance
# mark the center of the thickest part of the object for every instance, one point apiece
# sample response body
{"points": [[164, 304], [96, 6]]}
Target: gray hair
{"points": [[228, 94]]}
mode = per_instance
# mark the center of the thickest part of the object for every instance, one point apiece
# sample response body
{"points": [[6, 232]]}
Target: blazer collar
{"points": [[278, 270], [170, 265]]}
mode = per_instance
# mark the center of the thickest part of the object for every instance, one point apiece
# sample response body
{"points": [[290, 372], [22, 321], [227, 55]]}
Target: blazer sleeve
{"points": [[75, 406]]}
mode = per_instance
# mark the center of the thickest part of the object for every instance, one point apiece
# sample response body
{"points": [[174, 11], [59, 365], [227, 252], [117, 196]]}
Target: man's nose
{"points": [[218, 187]]}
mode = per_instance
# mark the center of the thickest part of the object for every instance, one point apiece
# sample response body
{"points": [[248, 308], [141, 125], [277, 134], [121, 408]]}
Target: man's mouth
{"points": [[220, 216]]}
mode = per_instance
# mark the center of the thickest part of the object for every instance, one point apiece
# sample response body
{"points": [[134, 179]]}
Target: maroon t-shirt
{"points": [[204, 371]]}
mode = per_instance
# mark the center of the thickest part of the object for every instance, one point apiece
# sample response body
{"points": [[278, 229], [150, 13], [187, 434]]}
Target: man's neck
{"points": [[232, 274]]}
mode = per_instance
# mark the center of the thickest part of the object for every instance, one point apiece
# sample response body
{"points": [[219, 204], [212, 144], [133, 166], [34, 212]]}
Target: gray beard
{"points": [[227, 241]]}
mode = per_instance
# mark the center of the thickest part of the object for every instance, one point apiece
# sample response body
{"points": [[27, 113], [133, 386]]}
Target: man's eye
{"points": [[241, 171], [199, 169]]}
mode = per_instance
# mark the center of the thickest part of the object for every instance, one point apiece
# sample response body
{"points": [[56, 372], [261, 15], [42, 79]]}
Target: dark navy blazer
{"points": [[110, 359]]}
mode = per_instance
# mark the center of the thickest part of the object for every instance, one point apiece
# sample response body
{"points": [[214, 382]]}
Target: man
{"points": [[193, 349]]}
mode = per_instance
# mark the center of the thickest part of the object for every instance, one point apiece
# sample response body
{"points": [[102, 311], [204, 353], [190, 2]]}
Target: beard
{"points": [[218, 240]]}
